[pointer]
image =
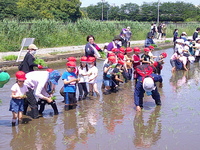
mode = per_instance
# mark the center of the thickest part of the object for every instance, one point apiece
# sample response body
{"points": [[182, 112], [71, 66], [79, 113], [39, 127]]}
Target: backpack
{"points": [[144, 70]]}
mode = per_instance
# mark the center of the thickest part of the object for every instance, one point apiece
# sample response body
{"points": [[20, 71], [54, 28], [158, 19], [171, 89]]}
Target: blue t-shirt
{"points": [[72, 86]]}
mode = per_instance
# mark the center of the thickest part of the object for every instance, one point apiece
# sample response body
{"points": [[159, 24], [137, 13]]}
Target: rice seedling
{"points": [[0, 101], [40, 62], [9, 58]]}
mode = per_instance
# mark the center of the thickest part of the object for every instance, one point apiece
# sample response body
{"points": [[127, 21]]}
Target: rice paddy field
{"points": [[110, 122]]}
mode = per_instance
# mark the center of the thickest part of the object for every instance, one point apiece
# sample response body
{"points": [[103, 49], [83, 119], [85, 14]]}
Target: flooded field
{"points": [[110, 122]]}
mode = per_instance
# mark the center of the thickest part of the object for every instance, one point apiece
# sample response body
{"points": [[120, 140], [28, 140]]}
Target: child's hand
{"points": [[49, 100]]}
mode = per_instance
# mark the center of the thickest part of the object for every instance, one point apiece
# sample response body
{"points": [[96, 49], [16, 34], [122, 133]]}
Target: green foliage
{"points": [[167, 41], [102, 54], [154, 45], [40, 62], [0, 101], [53, 98], [9, 58]]}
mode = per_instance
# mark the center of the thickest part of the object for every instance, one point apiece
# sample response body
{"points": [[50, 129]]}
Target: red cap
{"points": [[20, 75], [91, 59], [136, 49], [112, 59], [120, 55], [114, 50], [49, 70], [120, 62], [122, 50], [146, 49], [129, 49], [155, 63], [164, 54], [151, 47], [83, 59], [111, 54], [71, 64], [71, 59]]}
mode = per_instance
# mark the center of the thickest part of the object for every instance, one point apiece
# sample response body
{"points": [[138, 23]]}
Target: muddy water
{"points": [[111, 122]]}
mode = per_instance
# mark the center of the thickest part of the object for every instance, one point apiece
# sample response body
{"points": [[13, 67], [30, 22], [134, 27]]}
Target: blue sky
{"points": [[86, 3]]}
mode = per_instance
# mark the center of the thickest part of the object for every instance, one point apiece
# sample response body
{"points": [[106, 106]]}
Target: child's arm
{"points": [[15, 96], [118, 79], [68, 82]]}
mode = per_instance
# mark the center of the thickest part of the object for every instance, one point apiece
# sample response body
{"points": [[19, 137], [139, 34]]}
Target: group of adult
{"points": [[159, 31]]}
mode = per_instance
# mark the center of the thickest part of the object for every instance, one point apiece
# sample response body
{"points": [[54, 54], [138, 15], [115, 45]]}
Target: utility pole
{"points": [[102, 10], [158, 12]]}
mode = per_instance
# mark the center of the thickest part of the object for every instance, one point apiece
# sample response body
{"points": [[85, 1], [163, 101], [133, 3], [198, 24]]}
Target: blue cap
{"points": [[54, 77]]}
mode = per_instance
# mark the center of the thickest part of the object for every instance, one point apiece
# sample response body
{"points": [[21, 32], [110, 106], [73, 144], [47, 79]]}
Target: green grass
{"points": [[9, 58], [51, 33]]}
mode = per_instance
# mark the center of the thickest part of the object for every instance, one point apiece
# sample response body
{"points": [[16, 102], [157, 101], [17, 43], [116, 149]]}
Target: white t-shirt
{"points": [[94, 72], [82, 75], [36, 80], [19, 91]]}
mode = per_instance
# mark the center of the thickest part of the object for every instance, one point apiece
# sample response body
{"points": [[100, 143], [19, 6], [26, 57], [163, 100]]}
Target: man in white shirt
{"points": [[36, 82]]}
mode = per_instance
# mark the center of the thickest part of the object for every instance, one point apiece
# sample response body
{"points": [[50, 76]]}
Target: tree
{"points": [[129, 11], [50, 9], [8, 9]]}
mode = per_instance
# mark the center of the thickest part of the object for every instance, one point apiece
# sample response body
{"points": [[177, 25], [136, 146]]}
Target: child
{"points": [[70, 79], [49, 90], [18, 95], [92, 73], [136, 61], [69, 59], [146, 59], [128, 62], [159, 62], [107, 73], [83, 76]]}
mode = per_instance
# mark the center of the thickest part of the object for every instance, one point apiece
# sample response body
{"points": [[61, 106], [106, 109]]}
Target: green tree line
{"points": [[71, 10]]}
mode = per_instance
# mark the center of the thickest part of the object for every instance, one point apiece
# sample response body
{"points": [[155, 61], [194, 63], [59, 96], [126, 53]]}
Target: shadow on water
{"points": [[110, 121]]}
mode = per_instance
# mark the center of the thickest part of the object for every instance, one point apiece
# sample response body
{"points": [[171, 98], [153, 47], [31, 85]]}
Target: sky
{"points": [[86, 3]]}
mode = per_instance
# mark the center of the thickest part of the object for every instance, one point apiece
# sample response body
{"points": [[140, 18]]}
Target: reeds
{"points": [[51, 33]]}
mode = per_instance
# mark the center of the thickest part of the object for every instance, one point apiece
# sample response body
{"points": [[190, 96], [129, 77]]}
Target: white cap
{"points": [[180, 41], [32, 46], [128, 27], [148, 84]]}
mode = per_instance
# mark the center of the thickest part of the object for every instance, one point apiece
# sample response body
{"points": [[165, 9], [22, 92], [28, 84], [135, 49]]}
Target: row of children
{"points": [[185, 52]]}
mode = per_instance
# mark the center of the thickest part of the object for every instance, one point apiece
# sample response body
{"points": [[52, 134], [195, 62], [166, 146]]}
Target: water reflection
{"points": [[147, 133], [36, 135]]}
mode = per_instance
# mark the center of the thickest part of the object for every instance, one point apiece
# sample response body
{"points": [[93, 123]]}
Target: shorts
{"points": [[163, 34], [16, 105], [107, 82]]}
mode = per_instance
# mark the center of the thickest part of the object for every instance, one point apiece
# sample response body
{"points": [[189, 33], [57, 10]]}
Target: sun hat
{"points": [[129, 50], [54, 76], [83, 59], [32, 46], [112, 59], [146, 49], [71, 64], [128, 27], [114, 50], [4, 78], [122, 49], [151, 47], [71, 59], [120, 55], [20, 75], [164, 54], [148, 84], [184, 33], [91, 59], [136, 49], [111, 54], [120, 62]]}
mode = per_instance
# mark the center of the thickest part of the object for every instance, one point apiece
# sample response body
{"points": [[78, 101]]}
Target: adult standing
{"points": [[114, 44], [36, 82], [91, 49], [128, 36], [175, 36], [159, 36], [195, 34], [164, 28], [28, 64]]}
